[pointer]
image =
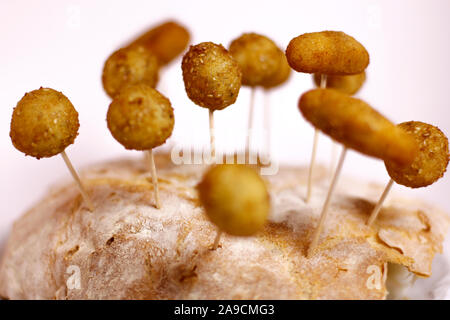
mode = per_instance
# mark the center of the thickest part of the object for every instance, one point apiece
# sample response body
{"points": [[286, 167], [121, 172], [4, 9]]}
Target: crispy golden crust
{"points": [[129, 66], [212, 77], [140, 118], [127, 249], [328, 52], [281, 76], [257, 56], [235, 198], [44, 123], [166, 41], [346, 84], [431, 160], [356, 125]]}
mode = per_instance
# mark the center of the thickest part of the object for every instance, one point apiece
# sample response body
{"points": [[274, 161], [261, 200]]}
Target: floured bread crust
{"points": [[127, 249]]}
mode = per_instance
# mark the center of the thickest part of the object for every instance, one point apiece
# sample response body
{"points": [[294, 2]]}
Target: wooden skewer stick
{"points": [[334, 151], [77, 179], [311, 165], [211, 134], [267, 124], [323, 85], [377, 208], [217, 239], [250, 120], [154, 178], [326, 205], [323, 81]]}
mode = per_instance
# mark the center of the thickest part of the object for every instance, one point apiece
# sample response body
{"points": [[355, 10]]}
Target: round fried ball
{"points": [[430, 161], [212, 77], [281, 76], [140, 118], [129, 66], [328, 52], [257, 56], [44, 123], [235, 199], [165, 41], [346, 84], [357, 125]]}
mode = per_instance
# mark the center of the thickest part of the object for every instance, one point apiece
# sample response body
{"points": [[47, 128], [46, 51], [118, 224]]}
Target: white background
{"points": [[63, 45]]}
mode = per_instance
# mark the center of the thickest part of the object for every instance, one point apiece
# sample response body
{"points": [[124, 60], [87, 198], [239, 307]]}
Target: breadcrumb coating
{"points": [[328, 52], [129, 66], [140, 118], [166, 41], [357, 125], [430, 162], [212, 77], [235, 199], [257, 56], [346, 84], [44, 123]]}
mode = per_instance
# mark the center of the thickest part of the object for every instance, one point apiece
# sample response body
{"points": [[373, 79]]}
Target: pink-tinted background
{"points": [[63, 44]]}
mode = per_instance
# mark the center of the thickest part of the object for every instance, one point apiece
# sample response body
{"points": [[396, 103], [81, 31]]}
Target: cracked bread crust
{"points": [[127, 249]]}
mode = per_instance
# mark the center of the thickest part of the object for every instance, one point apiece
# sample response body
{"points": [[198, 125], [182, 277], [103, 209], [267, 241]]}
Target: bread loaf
{"points": [[128, 249]]}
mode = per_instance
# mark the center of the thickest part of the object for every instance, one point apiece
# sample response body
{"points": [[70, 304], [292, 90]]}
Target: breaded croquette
{"points": [[327, 52], [129, 66], [357, 125], [257, 56], [140, 118], [281, 76], [44, 123], [166, 41], [431, 160], [235, 199], [212, 77]]}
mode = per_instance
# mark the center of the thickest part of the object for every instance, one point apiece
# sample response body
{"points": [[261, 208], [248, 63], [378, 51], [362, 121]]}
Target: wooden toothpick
{"points": [[267, 123], [311, 165], [323, 81], [77, 179], [250, 119], [334, 151], [326, 205], [217, 239], [377, 208], [323, 84], [154, 178], [211, 134]]}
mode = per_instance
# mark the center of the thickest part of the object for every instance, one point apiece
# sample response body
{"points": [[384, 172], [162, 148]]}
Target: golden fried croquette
{"points": [[44, 123], [140, 118], [281, 76], [166, 41], [235, 199], [346, 84], [357, 125], [212, 77], [257, 56], [430, 161], [327, 52], [129, 66]]}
